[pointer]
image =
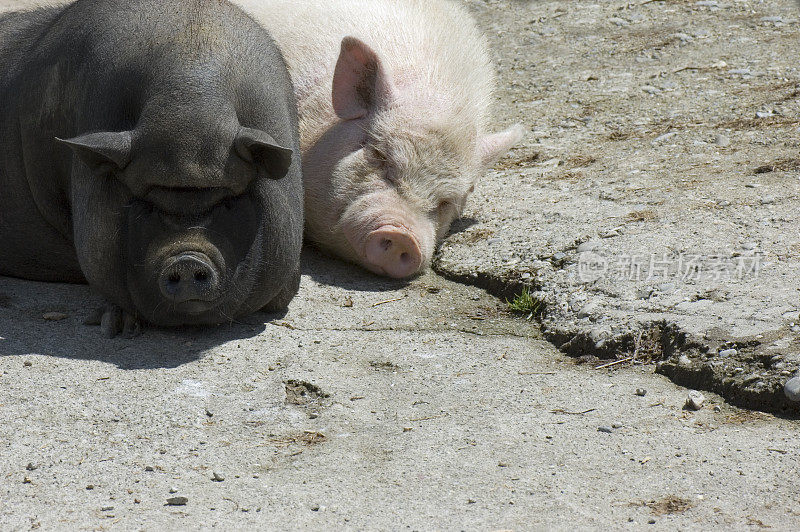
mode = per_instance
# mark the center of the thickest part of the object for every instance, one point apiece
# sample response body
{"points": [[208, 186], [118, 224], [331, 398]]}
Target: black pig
{"points": [[150, 147]]}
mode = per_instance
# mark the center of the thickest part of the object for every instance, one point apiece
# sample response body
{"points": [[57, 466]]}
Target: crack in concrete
{"points": [[665, 344]]}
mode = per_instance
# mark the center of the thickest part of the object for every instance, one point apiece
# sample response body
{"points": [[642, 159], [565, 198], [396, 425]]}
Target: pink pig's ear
{"points": [[360, 82], [492, 147]]}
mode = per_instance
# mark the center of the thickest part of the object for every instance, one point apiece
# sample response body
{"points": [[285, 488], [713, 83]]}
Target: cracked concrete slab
{"points": [[656, 195], [370, 404]]}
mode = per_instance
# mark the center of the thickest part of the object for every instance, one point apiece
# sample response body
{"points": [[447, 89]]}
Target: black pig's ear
{"points": [[103, 148], [256, 146], [361, 84]]}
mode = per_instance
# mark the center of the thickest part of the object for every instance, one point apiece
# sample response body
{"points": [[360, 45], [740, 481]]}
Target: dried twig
{"points": [[379, 303], [567, 412], [637, 345], [616, 362], [777, 450], [428, 418]]}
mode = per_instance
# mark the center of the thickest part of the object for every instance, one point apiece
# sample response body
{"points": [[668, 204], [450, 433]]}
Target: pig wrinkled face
{"points": [[399, 175], [183, 234], [402, 194]]}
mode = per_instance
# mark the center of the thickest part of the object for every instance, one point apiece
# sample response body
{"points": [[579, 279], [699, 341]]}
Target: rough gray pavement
{"points": [[654, 204], [382, 405], [370, 405]]}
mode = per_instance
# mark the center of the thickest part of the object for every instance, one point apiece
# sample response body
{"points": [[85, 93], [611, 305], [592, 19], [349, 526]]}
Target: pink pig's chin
{"points": [[393, 251]]}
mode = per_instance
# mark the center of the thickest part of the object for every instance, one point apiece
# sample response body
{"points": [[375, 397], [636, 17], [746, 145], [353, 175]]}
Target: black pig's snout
{"points": [[189, 277]]}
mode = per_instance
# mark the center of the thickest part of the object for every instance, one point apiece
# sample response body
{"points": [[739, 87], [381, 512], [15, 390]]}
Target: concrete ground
{"points": [[655, 203], [371, 404], [384, 405]]}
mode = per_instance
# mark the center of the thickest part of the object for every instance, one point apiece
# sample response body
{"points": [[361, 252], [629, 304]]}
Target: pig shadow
{"points": [[327, 270], [24, 330], [461, 225]]}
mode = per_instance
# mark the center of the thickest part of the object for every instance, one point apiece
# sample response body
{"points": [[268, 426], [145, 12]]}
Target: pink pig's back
{"points": [[430, 47]]}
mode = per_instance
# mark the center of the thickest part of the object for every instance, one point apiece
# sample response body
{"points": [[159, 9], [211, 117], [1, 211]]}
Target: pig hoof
{"points": [[131, 327], [114, 321], [95, 318]]}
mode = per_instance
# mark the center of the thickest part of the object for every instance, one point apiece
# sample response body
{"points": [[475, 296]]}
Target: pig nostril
{"points": [[405, 257], [174, 278], [200, 276], [386, 244]]}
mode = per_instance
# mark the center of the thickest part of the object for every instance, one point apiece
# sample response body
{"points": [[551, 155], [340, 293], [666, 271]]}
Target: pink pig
{"points": [[394, 98]]}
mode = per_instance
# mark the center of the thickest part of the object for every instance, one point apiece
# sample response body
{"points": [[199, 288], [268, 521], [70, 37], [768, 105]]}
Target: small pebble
{"points": [[792, 389], [717, 408], [695, 400], [588, 310], [616, 425], [722, 141], [665, 136], [753, 377], [149, 469], [106, 508], [217, 477], [177, 501], [173, 490], [31, 466], [641, 392], [55, 316], [607, 430], [27, 363], [684, 361], [728, 353], [315, 508], [666, 288], [90, 487]]}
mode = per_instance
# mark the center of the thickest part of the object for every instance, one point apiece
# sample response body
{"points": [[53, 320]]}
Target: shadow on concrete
{"points": [[461, 225], [324, 269], [24, 331]]}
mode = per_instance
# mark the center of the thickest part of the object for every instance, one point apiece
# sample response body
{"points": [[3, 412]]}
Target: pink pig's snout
{"points": [[393, 251]]}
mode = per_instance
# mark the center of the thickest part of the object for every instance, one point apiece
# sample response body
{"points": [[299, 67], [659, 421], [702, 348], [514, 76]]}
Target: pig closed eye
{"points": [[445, 205]]}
